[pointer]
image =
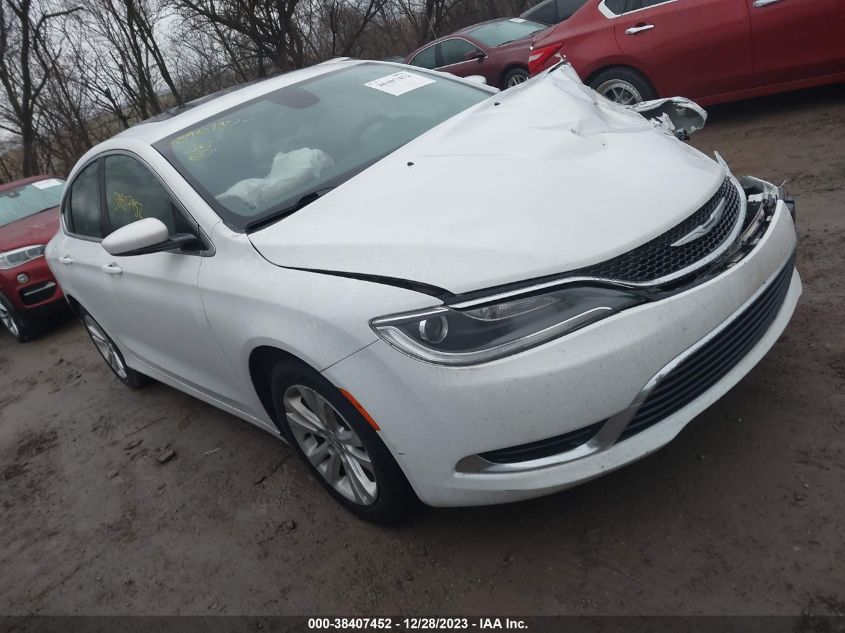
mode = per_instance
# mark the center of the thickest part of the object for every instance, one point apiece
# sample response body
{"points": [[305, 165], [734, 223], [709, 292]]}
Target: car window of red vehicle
{"points": [[21, 202], [455, 51], [616, 6], [425, 58], [546, 12], [565, 8]]}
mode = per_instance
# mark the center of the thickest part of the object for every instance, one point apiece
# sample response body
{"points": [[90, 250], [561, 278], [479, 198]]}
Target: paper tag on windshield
{"points": [[46, 184], [517, 20], [399, 83]]}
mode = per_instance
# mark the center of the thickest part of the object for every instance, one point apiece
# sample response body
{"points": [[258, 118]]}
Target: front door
{"points": [[688, 48]]}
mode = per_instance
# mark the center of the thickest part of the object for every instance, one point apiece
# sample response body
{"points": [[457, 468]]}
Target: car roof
{"points": [[153, 130], [23, 181]]}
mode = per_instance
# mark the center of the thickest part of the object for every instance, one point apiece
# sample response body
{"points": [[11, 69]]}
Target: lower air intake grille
{"points": [[715, 359]]}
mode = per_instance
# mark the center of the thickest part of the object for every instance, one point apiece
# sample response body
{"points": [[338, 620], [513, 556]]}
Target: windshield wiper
{"points": [[275, 216]]}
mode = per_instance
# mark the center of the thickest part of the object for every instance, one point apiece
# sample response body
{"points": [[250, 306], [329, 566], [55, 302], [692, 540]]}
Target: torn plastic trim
{"points": [[675, 115], [407, 284]]}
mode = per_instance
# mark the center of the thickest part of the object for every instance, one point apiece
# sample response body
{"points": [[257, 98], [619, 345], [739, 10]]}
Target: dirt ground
{"points": [[744, 513]]}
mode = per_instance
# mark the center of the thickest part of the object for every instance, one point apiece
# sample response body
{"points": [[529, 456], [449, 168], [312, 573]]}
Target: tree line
{"points": [[74, 72]]}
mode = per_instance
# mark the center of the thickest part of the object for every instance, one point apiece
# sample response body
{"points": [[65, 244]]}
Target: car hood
{"points": [[538, 180], [34, 229]]}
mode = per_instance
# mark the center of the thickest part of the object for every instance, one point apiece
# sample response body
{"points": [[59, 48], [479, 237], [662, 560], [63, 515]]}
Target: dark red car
{"points": [[497, 50], [708, 50], [29, 218]]}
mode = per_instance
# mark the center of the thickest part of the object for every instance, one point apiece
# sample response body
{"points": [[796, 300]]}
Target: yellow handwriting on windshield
{"points": [[128, 204], [211, 127]]}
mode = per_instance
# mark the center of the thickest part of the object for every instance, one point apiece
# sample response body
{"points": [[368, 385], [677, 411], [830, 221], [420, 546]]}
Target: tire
{"points": [[111, 353], [357, 469], [12, 322], [514, 77], [623, 85]]}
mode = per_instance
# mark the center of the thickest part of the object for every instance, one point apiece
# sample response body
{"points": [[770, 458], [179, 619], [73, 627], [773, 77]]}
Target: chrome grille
{"points": [[658, 259]]}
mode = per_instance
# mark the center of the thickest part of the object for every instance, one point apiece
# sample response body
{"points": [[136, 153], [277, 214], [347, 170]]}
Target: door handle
{"points": [[647, 27], [66, 260], [112, 269], [764, 3]]}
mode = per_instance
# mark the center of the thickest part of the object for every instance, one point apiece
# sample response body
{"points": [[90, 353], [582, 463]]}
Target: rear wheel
{"points": [[12, 321], [111, 354], [339, 446], [624, 86], [514, 77]]}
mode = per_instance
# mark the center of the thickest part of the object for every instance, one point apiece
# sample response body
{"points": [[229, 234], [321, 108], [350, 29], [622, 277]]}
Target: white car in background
{"points": [[429, 289]]}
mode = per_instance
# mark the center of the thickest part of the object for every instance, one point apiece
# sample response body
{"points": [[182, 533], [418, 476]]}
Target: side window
{"points": [[84, 203], [566, 8], [545, 12], [133, 193], [425, 58], [616, 6], [454, 51], [633, 5]]}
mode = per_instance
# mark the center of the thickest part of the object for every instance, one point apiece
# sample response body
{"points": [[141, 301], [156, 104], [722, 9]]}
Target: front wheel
{"points": [[624, 86], [12, 321], [341, 449], [111, 354]]}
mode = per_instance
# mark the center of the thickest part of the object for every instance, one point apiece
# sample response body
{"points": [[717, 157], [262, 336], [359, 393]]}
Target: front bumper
{"points": [[434, 418], [38, 296]]}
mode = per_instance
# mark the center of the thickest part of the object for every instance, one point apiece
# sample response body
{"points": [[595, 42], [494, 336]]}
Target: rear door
{"points": [[154, 297], [79, 254], [797, 39], [688, 48]]}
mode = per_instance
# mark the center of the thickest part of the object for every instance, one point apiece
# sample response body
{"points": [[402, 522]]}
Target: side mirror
{"points": [[469, 56], [477, 79], [149, 235]]}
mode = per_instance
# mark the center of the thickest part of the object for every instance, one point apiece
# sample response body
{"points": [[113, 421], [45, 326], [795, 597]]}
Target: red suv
{"points": [[708, 50], [29, 218], [498, 50]]}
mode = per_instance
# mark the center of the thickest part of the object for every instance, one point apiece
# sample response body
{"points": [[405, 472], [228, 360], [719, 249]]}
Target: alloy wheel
{"points": [[620, 91], [106, 348], [516, 79], [331, 445], [9, 322]]}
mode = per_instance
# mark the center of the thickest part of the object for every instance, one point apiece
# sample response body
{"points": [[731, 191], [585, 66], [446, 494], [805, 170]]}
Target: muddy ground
{"points": [[743, 514]]}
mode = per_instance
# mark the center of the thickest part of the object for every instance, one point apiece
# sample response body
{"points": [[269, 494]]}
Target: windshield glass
{"points": [[504, 31], [26, 200], [263, 156]]}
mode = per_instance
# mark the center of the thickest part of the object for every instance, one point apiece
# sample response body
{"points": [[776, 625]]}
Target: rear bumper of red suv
{"points": [[32, 289]]}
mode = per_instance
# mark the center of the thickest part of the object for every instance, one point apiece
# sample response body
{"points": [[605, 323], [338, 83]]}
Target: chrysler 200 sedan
{"points": [[429, 289]]}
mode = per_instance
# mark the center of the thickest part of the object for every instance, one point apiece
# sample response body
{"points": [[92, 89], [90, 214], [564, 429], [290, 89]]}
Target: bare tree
{"points": [[25, 68]]}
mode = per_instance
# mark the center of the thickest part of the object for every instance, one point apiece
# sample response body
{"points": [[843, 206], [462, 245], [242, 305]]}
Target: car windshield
{"points": [[268, 155], [21, 202], [504, 31]]}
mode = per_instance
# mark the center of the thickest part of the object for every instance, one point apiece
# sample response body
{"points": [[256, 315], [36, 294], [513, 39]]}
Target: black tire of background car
{"points": [[514, 72], [396, 499], [24, 333], [633, 77], [134, 380]]}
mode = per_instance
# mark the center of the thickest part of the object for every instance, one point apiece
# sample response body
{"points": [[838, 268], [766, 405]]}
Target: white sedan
{"points": [[431, 290]]}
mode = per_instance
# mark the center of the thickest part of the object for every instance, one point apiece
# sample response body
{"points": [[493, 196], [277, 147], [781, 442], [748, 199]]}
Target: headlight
{"points": [[19, 256], [452, 336]]}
